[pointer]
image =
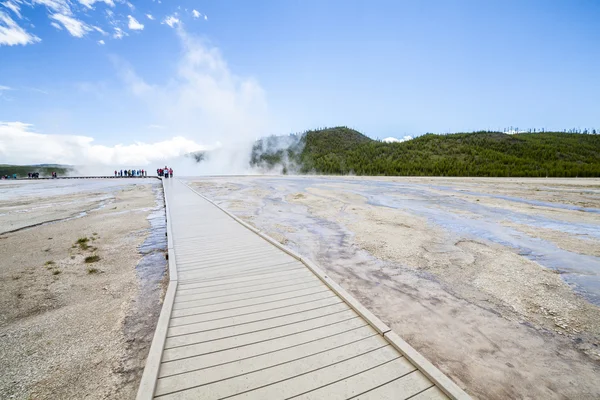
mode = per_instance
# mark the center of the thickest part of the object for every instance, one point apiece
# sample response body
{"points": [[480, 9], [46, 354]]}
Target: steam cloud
{"points": [[205, 105]]}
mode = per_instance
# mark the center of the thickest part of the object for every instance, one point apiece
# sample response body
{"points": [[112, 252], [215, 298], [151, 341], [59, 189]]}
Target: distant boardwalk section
{"points": [[246, 318]]}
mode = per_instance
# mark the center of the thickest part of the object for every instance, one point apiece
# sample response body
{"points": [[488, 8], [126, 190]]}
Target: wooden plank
{"points": [[291, 277], [255, 337], [219, 319], [245, 303], [433, 393], [251, 364], [401, 388], [188, 285], [245, 296], [250, 269], [268, 376], [258, 316], [240, 266], [264, 347], [322, 377], [199, 263], [364, 380], [202, 294], [258, 326]]}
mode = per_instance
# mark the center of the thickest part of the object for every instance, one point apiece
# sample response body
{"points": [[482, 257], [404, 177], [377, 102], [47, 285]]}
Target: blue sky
{"points": [[87, 78]]}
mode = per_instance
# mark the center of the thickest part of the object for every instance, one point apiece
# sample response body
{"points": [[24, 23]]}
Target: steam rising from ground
{"points": [[204, 105]]}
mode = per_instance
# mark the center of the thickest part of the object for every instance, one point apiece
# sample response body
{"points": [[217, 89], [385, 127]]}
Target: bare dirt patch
{"points": [[62, 319]]}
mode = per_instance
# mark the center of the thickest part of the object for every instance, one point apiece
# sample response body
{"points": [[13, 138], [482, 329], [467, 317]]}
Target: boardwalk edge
{"points": [[443, 382], [152, 367]]}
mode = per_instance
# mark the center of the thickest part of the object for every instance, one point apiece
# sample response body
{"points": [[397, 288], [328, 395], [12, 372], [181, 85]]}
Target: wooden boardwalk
{"points": [[246, 318]]}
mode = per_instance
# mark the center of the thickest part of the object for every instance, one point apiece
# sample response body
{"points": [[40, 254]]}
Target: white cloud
{"points": [[57, 6], [19, 144], [11, 34], [134, 24], [196, 14], [154, 126], [171, 20], [101, 42], [131, 6], [205, 17], [56, 25], [90, 3], [75, 27], [150, 17], [119, 33], [14, 7], [4, 88], [396, 140]]}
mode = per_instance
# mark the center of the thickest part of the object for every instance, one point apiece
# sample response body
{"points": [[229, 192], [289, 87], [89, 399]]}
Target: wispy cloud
{"points": [[75, 27], [134, 24], [2, 87], [14, 7], [171, 20], [56, 25], [11, 34], [101, 42], [90, 3], [196, 14], [57, 6], [150, 17], [119, 33]]}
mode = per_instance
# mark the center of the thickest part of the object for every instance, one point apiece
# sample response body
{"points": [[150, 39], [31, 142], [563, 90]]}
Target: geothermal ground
{"points": [[496, 281], [80, 270]]}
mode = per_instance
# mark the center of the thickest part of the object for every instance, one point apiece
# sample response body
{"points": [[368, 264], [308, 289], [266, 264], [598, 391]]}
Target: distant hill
{"points": [[43, 169], [342, 150]]}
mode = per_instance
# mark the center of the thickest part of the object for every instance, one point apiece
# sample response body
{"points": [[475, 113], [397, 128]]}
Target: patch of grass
{"points": [[82, 242], [92, 271], [92, 259], [56, 272], [49, 263]]}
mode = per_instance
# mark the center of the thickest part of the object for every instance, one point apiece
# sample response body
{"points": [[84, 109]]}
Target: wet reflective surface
{"points": [[451, 209]]}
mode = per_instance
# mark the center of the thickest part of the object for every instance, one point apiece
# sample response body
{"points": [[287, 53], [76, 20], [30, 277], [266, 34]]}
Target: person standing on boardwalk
{"points": [[171, 172]]}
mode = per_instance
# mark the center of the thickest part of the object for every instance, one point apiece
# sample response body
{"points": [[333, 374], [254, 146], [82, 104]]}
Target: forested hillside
{"points": [[343, 151], [23, 170]]}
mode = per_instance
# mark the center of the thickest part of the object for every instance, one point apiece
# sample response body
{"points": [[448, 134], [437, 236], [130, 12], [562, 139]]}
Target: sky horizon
{"points": [[113, 81]]}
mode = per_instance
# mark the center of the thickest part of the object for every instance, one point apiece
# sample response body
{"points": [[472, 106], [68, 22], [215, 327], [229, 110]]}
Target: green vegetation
{"points": [[92, 259], [49, 263], [92, 271], [494, 154], [45, 170], [82, 242], [56, 272]]}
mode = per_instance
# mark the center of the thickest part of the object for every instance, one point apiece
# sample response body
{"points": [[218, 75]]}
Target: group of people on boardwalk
{"points": [[130, 173], [165, 172]]}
